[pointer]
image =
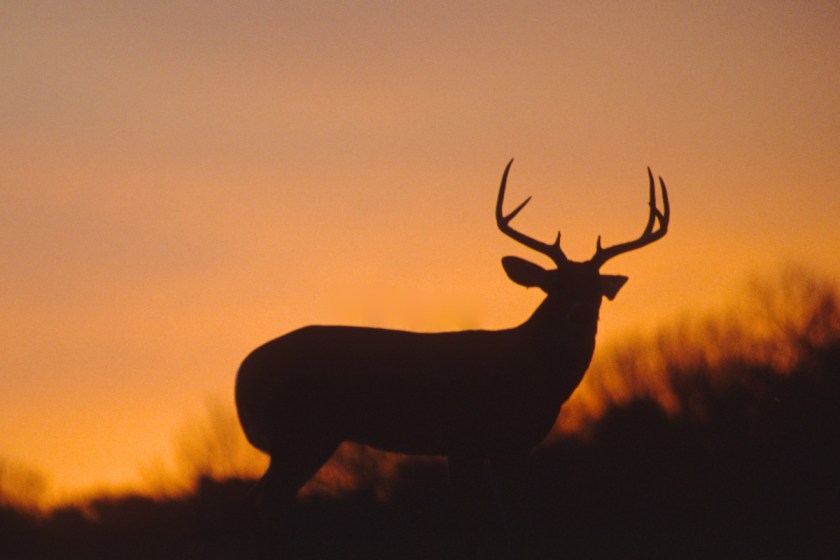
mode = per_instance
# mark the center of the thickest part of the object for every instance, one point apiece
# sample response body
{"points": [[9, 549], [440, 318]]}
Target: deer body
{"points": [[418, 393], [468, 395]]}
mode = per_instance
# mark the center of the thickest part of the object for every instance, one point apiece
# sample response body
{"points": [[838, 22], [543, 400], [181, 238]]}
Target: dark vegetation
{"points": [[722, 442]]}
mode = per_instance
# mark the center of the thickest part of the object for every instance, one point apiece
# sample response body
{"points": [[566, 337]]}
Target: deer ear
{"points": [[610, 285], [524, 273]]}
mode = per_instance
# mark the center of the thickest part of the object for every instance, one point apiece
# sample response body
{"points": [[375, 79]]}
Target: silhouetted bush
{"points": [[754, 476], [19, 533]]}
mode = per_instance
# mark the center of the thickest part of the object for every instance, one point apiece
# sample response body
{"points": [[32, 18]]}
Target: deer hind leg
{"points": [[465, 477], [276, 492]]}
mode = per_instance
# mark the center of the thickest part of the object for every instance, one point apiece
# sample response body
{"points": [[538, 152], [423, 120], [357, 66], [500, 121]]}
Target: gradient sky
{"points": [[181, 181]]}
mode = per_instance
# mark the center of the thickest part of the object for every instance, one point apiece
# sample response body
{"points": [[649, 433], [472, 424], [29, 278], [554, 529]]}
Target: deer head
{"points": [[575, 289]]}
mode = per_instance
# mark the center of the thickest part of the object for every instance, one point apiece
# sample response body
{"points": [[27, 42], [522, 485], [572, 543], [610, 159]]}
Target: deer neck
{"points": [[565, 318], [564, 333], [560, 348]]}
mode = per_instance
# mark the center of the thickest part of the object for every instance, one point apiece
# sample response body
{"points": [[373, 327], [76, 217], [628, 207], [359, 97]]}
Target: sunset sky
{"points": [[182, 181]]}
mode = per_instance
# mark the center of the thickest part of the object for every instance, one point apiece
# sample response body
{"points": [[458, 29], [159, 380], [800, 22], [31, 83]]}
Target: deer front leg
{"points": [[465, 478], [510, 473]]}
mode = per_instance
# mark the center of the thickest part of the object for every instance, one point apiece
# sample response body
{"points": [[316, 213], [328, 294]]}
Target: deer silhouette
{"points": [[471, 395]]}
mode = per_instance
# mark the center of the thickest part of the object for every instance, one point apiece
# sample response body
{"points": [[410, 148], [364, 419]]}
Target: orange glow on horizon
{"points": [[182, 183]]}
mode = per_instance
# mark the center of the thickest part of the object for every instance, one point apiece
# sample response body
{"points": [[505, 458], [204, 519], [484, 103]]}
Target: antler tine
{"points": [[649, 235], [552, 251], [652, 204]]}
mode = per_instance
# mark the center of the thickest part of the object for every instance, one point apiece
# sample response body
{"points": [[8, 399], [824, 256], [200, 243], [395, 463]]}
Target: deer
{"points": [[470, 396]]}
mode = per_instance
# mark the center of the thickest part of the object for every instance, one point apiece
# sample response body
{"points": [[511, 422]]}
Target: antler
{"points": [[648, 236], [552, 251]]}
